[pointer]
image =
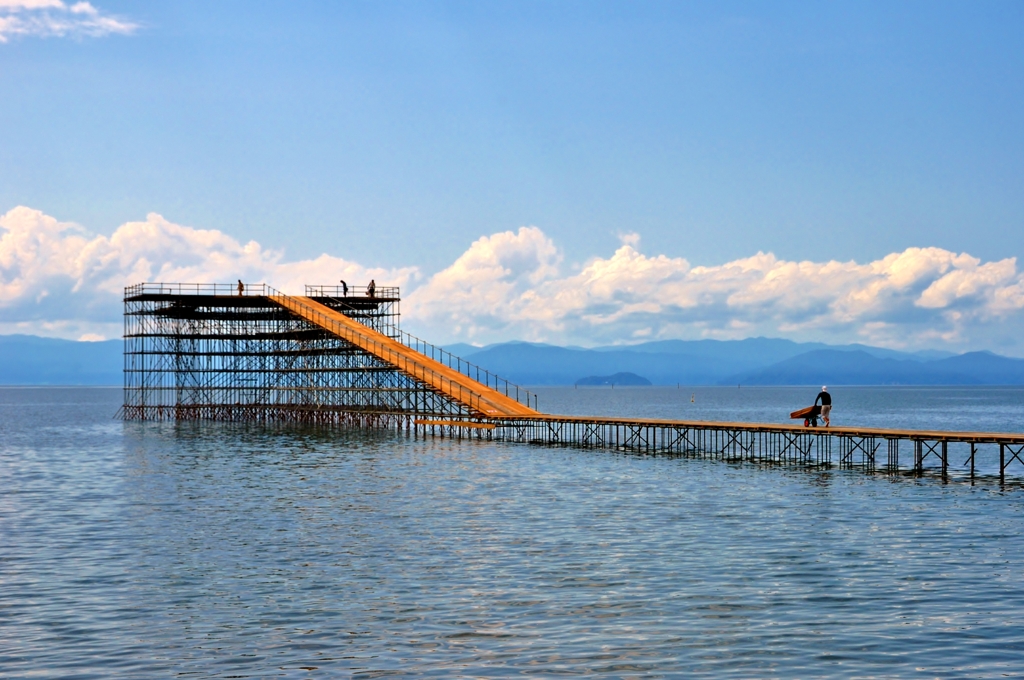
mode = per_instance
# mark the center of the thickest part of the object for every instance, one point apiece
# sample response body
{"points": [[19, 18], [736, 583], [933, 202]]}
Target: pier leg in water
{"points": [[945, 460]]}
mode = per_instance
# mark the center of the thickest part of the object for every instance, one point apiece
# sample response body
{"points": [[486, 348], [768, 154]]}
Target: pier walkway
{"points": [[868, 448]]}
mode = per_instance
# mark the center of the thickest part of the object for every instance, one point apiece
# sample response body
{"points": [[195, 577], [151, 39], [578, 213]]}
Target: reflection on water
{"points": [[155, 549]]}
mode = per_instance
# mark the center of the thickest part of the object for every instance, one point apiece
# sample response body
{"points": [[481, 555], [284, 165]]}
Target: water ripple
{"points": [[210, 550]]}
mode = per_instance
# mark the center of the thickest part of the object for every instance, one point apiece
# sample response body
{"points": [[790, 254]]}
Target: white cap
{"points": [[824, 389]]}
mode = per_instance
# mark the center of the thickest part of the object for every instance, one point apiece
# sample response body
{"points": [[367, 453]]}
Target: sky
{"points": [[570, 172]]}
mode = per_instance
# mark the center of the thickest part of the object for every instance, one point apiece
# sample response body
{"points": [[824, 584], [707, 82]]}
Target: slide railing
{"points": [[470, 370], [396, 353], [438, 354]]}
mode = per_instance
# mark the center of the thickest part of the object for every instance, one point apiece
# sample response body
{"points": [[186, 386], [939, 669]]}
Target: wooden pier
{"points": [[871, 449], [338, 357]]}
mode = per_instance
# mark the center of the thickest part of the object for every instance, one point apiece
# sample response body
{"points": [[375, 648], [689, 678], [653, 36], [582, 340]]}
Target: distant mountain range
{"points": [[754, 361], [31, 360]]}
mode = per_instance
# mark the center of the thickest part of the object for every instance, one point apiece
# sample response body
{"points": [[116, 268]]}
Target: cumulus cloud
{"points": [[55, 19], [471, 296], [921, 297], [58, 279]]}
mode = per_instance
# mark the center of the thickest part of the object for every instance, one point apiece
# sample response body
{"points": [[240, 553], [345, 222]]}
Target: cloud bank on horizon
{"points": [[57, 279], [57, 19]]}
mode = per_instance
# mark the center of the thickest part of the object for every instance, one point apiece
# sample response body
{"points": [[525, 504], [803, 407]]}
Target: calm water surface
{"points": [[156, 550]]}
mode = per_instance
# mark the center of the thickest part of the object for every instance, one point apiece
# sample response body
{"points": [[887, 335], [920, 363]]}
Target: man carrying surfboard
{"points": [[826, 403]]}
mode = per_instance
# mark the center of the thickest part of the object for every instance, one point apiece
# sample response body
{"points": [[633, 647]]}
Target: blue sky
{"points": [[396, 134]]}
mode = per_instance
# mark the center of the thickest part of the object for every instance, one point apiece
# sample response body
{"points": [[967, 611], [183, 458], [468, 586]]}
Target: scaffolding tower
{"points": [[220, 352]]}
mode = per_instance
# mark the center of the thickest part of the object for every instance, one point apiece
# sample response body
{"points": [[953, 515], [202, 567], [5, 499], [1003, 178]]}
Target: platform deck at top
{"points": [[860, 432]]}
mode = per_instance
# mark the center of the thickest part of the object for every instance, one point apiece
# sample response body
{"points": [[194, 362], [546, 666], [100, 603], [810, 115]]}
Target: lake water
{"points": [[156, 550]]}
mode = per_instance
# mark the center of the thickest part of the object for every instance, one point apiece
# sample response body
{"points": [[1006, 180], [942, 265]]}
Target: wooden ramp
{"points": [[478, 398]]}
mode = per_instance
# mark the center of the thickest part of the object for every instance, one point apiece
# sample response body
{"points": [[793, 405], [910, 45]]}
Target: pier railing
{"points": [[256, 289], [339, 293]]}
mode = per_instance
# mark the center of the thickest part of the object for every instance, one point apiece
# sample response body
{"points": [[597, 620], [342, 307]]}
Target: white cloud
{"points": [[18, 5], [58, 279], [921, 297], [54, 19], [83, 8], [471, 297]]}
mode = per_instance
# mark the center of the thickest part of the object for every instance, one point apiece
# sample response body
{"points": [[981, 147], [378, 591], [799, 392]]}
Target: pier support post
{"points": [[918, 456], [1002, 463], [945, 460]]}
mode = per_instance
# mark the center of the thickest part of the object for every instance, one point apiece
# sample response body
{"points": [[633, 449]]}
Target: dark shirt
{"points": [[825, 397]]}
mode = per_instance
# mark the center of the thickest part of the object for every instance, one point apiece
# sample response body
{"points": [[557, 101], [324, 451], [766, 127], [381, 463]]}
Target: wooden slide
{"points": [[475, 396]]}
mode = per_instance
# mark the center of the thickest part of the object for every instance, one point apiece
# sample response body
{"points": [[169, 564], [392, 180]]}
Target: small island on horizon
{"points": [[625, 379]]}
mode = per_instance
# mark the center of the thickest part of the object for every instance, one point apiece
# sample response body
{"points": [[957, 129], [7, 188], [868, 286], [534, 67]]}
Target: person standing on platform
{"points": [[344, 288], [241, 287], [371, 288], [826, 404]]}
